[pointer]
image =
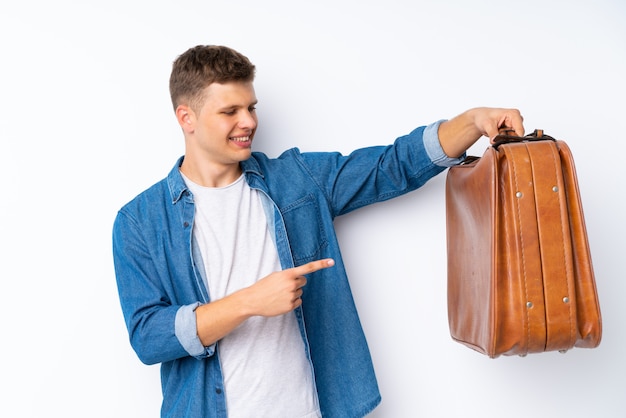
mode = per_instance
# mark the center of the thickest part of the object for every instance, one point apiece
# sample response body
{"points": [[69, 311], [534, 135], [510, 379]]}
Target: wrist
{"points": [[459, 133]]}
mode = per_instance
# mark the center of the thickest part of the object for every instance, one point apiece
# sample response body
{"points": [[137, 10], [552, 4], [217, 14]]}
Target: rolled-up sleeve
{"points": [[433, 147], [186, 332]]}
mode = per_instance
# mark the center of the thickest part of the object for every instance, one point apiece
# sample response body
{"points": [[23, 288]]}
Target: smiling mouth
{"points": [[242, 139]]}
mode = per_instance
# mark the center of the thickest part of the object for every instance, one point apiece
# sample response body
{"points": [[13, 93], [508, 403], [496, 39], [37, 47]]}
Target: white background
{"points": [[86, 123]]}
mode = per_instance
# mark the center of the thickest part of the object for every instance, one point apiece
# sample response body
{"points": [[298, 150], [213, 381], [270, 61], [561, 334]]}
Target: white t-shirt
{"points": [[266, 370]]}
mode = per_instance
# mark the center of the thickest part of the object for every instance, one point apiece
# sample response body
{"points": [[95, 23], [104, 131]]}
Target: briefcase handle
{"points": [[504, 137]]}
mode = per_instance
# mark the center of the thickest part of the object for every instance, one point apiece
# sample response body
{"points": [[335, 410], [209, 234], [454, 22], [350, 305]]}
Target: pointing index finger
{"points": [[314, 266]]}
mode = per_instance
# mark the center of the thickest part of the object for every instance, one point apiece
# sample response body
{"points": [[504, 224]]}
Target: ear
{"points": [[186, 118]]}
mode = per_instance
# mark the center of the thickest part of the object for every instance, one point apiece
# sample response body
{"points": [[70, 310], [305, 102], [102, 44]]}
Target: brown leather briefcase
{"points": [[520, 278]]}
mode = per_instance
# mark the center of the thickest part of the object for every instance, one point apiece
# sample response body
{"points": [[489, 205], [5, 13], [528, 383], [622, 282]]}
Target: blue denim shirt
{"points": [[160, 272]]}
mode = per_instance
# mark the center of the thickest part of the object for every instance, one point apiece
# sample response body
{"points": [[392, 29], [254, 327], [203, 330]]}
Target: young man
{"points": [[211, 261]]}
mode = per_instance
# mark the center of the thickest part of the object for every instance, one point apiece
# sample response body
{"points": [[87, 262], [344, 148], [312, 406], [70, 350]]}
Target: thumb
{"points": [[491, 132]]}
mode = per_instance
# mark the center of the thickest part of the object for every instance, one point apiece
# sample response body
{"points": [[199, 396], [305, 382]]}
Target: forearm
{"points": [[217, 319], [458, 134]]}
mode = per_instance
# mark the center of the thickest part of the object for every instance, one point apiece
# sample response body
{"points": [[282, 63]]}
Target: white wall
{"points": [[86, 123]]}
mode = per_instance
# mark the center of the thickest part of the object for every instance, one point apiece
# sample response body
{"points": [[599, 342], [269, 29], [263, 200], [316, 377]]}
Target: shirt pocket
{"points": [[305, 229]]}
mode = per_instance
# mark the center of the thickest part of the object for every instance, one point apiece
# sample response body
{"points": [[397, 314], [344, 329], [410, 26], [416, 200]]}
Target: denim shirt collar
{"points": [[177, 186]]}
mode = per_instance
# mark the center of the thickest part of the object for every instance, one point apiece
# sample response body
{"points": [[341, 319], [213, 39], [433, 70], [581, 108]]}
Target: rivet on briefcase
{"points": [[520, 278]]}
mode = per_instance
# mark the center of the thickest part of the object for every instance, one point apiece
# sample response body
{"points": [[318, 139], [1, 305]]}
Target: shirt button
{"points": [[218, 391]]}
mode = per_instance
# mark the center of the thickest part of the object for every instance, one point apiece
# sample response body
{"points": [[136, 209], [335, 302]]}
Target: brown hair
{"points": [[198, 67]]}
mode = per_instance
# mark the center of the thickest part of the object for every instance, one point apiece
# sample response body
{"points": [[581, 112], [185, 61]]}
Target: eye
{"points": [[252, 108]]}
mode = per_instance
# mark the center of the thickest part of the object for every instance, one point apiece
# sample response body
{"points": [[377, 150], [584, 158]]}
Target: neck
{"points": [[208, 175]]}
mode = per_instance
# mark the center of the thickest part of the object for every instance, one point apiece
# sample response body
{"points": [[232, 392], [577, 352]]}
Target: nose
{"points": [[248, 120]]}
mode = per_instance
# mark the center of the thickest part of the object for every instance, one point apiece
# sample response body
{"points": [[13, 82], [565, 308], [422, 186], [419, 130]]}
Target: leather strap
{"points": [[505, 137]]}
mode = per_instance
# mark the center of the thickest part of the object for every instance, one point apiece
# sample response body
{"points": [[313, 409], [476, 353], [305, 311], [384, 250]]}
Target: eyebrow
{"points": [[236, 106]]}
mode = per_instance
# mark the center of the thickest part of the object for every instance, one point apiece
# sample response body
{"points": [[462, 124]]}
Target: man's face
{"points": [[225, 125]]}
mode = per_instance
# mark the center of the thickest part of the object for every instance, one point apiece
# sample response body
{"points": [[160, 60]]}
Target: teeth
{"points": [[241, 139]]}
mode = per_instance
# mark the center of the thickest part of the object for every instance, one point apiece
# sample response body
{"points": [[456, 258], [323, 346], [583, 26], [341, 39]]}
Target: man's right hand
{"points": [[275, 294], [280, 292]]}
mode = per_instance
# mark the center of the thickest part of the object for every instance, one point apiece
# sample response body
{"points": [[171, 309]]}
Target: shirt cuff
{"points": [[433, 147], [187, 334]]}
